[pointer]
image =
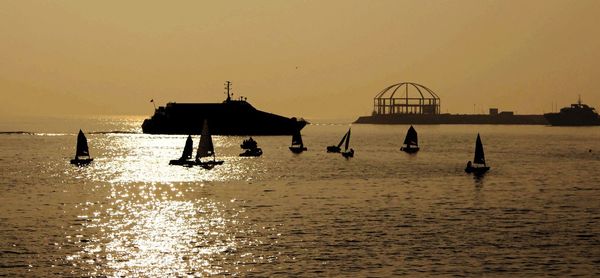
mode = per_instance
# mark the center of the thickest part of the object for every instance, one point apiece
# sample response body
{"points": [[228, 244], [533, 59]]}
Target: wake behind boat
{"points": [[82, 153], [478, 166], [411, 142]]}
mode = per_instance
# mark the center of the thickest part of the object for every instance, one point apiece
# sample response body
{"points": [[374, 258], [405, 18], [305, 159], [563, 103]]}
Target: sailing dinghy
{"points": [[82, 153], [411, 142], [478, 166], [206, 149], [347, 153], [186, 156], [297, 144], [337, 149]]}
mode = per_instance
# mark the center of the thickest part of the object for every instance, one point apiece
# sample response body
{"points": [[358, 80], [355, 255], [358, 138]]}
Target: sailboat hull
{"points": [[182, 162], [410, 149], [298, 149], [209, 164], [81, 162], [191, 163], [477, 170], [333, 149], [252, 152]]}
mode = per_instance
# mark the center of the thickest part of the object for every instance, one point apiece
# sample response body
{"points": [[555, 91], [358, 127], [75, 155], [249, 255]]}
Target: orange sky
{"points": [[315, 59]]}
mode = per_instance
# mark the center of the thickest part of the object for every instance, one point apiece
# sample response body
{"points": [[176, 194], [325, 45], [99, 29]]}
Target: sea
{"points": [[383, 213]]}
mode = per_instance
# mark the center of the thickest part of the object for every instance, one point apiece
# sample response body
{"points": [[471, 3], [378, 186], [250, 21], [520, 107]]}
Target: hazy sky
{"points": [[315, 59]]}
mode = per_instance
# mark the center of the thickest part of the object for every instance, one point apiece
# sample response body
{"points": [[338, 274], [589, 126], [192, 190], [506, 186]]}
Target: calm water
{"points": [[382, 213]]}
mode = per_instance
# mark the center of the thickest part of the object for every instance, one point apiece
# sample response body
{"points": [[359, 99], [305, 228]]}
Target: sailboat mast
{"points": [[479, 155], [228, 87], [347, 140], [343, 140]]}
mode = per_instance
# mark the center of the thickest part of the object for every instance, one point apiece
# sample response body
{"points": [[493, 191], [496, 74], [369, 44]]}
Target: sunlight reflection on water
{"points": [[382, 213], [143, 158], [149, 230]]}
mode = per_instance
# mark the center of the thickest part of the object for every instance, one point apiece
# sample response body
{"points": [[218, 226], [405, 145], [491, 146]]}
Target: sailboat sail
{"points": [[411, 137], [205, 147], [188, 149], [347, 136], [82, 146], [479, 156], [297, 139], [343, 139]]}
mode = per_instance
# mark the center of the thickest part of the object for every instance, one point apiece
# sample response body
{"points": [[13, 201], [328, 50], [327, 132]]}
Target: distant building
{"points": [[493, 111], [406, 98]]}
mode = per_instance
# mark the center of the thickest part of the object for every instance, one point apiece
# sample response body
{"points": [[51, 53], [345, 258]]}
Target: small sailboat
{"points": [[411, 142], [478, 166], [337, 149], [297, 145], [82, 153], [251, 148], [186, 156], [347, 153], [206, 149]]}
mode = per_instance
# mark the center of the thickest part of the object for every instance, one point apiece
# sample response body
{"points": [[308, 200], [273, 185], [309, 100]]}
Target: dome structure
{"points": [[406, 98]]}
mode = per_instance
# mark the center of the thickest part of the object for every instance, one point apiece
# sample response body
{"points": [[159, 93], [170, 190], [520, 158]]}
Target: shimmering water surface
{"points": [[382, 213]]}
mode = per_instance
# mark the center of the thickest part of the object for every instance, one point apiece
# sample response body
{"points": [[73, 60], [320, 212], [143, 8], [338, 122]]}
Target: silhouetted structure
{"points": [[478, 166], [232, 117], [411, 103], [82, 152], [411, 141], [577, 115], [406, 98]]}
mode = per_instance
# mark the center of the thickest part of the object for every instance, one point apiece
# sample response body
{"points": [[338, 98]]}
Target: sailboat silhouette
{"points": [[478, 166], [297, 144], [337, 149], [411, 142], [347, 153], [206, 149], [82, 152], [186, 156]]}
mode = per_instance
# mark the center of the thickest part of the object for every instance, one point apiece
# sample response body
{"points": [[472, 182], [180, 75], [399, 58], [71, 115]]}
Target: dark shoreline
{"points": [[453, 119]]}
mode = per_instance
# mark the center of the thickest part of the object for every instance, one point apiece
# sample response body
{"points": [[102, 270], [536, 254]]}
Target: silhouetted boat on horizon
{"points": [[186, 156], [411, 141], [82, 152], [206, 149], [231, 117], [251, 148], [347, 153], [297, 144], [337, 149], [577, 114], [478, 166]]}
